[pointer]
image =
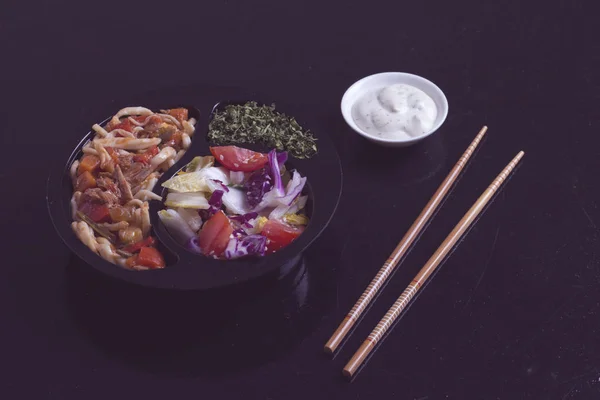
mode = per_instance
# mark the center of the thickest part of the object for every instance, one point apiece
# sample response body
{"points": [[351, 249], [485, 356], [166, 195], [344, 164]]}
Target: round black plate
{"points": [[186, 270]]}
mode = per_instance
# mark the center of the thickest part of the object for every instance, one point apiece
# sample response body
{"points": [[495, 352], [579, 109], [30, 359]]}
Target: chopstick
{"points": [[425, 272], [400, 250]]}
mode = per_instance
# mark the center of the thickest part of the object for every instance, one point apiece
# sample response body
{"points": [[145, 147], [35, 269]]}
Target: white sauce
{"points": [[395, 112]]}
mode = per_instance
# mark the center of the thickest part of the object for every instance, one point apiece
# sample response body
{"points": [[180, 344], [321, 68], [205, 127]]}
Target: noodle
{"points": [[74, 202], [89, 150], [186, 141], [105, 249], [164, 155], [149, 182], [139, 124], [133, 111], [122, 261], [106, 161], [145, 216], [117, 226], [180, 154], [100, 130], [146, 195], [73, 170], [137, 216], [122, 132], [188, 126], [135, 203], [172, 119], [86, 234], [119, 160], [128, 143]]}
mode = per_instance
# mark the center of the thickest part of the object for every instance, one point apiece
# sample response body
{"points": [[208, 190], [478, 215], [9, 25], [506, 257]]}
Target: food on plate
{"points": [[250, 123], [397, 111], [114, 178], [235, 203]]}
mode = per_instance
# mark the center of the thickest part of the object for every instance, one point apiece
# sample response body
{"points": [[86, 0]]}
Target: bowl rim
{"points": [[350, 122], [220, 273]]}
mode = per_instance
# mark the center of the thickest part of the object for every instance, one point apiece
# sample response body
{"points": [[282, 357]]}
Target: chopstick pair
{"points": [[425, 272]]}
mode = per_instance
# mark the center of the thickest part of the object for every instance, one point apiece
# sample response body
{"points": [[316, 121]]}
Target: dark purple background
{"points": [[513, 313]]}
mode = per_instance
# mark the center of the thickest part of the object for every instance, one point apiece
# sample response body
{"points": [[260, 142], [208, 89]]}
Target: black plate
{"points": [[186, 270]]}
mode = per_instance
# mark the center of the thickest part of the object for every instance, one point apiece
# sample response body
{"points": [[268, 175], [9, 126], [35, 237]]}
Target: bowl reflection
{"points": [[197, 333]]}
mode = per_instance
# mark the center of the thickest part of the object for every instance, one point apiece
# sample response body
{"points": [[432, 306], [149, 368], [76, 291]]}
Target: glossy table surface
{"points": [[513, 313]]}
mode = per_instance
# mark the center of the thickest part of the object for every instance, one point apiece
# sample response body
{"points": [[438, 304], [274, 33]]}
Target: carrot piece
{"points": [[89, 162], [151, 258], [85, 181]]}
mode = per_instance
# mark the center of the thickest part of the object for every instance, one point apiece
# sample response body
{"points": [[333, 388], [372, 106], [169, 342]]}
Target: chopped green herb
{"points": [[251, 123]]}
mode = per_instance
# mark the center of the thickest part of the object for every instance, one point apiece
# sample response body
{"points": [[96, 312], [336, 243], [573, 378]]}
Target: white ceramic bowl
{"points": [[379, 81]]}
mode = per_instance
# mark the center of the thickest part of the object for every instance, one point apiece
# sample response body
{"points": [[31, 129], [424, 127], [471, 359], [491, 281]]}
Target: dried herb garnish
{"points": [[251, 123]]}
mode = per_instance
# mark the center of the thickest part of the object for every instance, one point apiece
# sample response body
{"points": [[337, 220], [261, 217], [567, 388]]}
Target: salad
{"points": [[235, 203]]}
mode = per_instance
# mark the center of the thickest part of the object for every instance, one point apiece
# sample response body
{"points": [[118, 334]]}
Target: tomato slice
{"points": [[139, 118], [154, 122], [239, 159], [97, 212], [146, 156], [150, 257], [215, 234], [125, 125], [112, 152], [100, 213], [279, 234], [180, 113]]}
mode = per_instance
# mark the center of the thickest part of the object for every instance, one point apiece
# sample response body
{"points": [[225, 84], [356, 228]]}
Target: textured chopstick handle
{"points": [[372, 289], [394, 312], [425, 272], [506, 172], [392, 261], [413, 232], [462, 161]]}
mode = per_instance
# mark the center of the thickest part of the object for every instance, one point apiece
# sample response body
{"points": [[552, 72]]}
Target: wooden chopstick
{"points": [[400, 250], [425, 272]]}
